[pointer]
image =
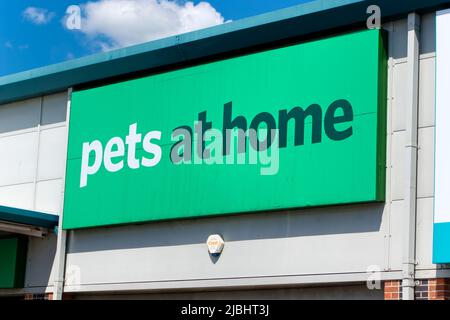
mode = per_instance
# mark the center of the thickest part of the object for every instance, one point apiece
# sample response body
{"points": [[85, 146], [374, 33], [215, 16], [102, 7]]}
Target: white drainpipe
{"points": [[411, 145], [58, 286]]}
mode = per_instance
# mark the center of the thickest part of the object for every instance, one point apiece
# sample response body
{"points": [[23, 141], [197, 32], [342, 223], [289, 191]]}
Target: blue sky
{"points": [[33, 33]]}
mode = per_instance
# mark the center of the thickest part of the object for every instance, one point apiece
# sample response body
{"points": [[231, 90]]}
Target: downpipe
{"points": [[411, 146]]}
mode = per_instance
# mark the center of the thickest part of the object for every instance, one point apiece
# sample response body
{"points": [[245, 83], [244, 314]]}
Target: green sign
{"points": [[13, 254], [294, 127]]}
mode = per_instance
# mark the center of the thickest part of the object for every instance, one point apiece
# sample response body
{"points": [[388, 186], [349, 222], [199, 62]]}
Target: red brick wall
{"points": [[40, 296], [392, 290], [433, 289], [439, 289]]}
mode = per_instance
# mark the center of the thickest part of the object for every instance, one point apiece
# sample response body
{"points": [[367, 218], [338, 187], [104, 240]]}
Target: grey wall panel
{"points": [[424, 233], [40, 267], [400, 72], [51, 153], [397, 39], [54, 108], [315, 241], [425, 187], [396, 227], [425, 163], [398, 172], [428, 34], [48, 196], [18, 158], [427, 86], [18, 195], [20, 115]]}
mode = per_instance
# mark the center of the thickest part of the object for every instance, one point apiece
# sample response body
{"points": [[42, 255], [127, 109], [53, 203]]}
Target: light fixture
{"points": [[215, 244]]}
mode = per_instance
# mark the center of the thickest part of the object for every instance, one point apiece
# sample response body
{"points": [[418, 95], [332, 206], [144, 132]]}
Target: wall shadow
{"points": [[361, 218]]}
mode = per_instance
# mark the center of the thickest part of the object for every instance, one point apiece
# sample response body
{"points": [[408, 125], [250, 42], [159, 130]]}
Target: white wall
{"points": [[32, 155], [32, 144]]}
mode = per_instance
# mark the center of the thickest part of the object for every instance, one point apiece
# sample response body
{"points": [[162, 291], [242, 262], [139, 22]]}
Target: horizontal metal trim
{"points": [[231, 283], [28, 217]]}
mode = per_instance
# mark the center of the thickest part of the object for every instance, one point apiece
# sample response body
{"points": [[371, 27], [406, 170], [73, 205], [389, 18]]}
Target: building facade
{"points": [[333, 245]]}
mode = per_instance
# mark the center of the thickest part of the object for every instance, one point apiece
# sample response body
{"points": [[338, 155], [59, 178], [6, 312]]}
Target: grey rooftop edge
{"points": [[294, 22]]}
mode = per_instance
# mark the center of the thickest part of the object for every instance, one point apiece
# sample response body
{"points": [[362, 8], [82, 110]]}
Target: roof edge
{"points": [[28, 217], [293, 22]]}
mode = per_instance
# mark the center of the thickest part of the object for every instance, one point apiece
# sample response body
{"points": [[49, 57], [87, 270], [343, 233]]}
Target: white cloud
{"points": [[38, 15], [127, 22]]}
